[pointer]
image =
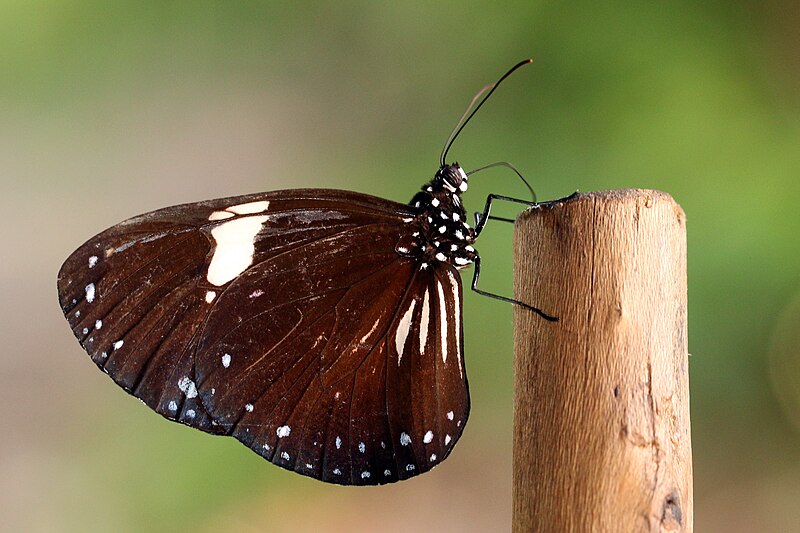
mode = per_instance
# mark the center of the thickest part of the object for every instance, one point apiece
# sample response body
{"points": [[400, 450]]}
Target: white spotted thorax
{"points": [[446, 237]]}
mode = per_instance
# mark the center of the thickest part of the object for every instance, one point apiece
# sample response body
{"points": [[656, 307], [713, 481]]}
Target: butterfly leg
{"points": [[482, 218], [480, 222], [475, 288]]}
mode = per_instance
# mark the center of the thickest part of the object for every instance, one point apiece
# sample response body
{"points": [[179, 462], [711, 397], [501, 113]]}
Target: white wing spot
{"points": [[433, 457], [309, 466], [447, 440], [210, 295], [387, 472], [190, 413], [92, 261], [405, 440], [226, 360], [409, 468], [364, 474], [234, 248], [256, 293], [435, 202], [98, 324], [285, 456], [248, 407], [172, 406], [428, 437], [440, 257], [117, 345], [362, 447], [267, 447], [249, 208], [90, 292], [403, 328], [337, 472], [284, 431], [338, 442], [85, 331], [77, 313], [187, 387], [450, 415], [220, 215]]}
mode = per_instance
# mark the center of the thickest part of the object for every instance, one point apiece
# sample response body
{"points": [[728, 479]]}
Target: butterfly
{"points": [[321, 328]]}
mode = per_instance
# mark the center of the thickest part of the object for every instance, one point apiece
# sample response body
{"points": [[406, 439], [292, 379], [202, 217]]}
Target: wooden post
{"points": [[601, 418]]}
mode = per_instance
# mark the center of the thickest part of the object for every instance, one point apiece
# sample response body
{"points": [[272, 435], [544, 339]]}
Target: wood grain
{"points": [[602, 438]]}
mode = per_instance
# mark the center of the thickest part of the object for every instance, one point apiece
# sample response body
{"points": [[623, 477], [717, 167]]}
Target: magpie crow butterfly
{"points": [[321, 328]]}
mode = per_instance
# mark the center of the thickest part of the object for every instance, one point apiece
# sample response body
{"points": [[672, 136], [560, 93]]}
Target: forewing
{"points": [[137, 296]]}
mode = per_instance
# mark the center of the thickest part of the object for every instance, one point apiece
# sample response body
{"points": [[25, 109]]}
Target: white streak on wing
{"points": [[423, 326], [220, 215], [401, 334], [249, 208], [374, 327], [234, 248], [442, 320], [457, 330], [143, 240]]}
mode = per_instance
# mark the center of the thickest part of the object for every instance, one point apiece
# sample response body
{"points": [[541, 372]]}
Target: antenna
{"points": [[463, 122]]}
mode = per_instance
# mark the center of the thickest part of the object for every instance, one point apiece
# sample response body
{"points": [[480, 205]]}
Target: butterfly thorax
{"points": [[442, 233]]}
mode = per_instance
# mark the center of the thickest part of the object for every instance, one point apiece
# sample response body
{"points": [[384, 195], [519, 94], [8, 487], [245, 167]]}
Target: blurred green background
{"points": [[111, 109]]}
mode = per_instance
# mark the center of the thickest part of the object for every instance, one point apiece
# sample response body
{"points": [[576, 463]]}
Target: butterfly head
{"points": [[452, 178]]}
